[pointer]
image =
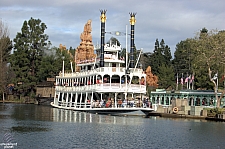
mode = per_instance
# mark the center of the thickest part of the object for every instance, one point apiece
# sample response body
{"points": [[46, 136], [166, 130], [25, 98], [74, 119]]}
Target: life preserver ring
{"points": [[175, 110]]}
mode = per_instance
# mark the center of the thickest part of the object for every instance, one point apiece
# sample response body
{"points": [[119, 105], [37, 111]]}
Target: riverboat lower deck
{"points": [[111, 111]]}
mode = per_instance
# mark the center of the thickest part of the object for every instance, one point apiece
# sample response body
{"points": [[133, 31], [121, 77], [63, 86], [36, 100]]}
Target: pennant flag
{"points": [[182, 81], [192, 79]]}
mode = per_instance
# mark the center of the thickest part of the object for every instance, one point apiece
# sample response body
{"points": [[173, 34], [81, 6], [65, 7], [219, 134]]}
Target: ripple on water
{"points": [[28, 129]]}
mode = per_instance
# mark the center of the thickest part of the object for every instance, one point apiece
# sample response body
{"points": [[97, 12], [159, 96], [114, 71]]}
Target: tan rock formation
{"points": [[85, 51], [151, 79], [61, 47]]}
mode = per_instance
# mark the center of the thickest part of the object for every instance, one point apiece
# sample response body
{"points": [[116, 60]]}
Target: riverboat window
{"points": [[123, 79], [135, 80], [191, 99], [99, 79], [167, 100], [197, 101], [162, 100], [113, 64], [153, 100], [157, 100], [115, 79], [89, 82], [204, 101], [106, 79]]}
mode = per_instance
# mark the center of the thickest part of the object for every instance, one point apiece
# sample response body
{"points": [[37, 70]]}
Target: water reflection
{"points": [[28, 129], [33, 126], [32, 112], [61, 115]]}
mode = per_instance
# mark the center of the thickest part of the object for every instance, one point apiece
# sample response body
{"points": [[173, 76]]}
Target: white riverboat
{"points": [[105, 85]]}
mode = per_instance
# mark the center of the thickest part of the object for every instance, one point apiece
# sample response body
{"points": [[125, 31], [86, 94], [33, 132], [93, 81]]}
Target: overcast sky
{"points": [[171, 20]]}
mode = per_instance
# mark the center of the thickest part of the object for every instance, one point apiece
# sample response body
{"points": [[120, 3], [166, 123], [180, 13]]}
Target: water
{"points": [[43, 127]]}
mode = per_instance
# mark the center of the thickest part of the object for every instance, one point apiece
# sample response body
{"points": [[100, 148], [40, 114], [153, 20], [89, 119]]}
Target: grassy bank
{"points": [[17, 100]]}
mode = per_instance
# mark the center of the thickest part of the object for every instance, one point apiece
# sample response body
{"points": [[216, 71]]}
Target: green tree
{"points": [[161, 60], [183, 60], [28, 51], [52, 62], [72, 51], [161, 55], [166, 76], [165, 49], [5, 49], [144, 60]]}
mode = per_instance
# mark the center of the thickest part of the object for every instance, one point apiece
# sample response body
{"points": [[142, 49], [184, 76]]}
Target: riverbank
{"points": [[18, 101], [172, 115]]}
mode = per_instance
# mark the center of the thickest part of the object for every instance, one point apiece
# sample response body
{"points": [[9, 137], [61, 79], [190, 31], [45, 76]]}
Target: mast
{"points": [[132, 22], [103, 20]]}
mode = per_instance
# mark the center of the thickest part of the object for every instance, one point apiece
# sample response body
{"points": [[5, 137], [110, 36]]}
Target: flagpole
{"points": [[217, 81], [193, 78], [177, 82], [187, 81], [223, 81]]}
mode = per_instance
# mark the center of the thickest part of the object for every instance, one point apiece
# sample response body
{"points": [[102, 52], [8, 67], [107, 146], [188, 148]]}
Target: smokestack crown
{"points": [[132, 18], [103, 16]]}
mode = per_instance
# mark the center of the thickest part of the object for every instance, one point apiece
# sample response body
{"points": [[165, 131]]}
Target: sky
{"points": [[171, 20]]}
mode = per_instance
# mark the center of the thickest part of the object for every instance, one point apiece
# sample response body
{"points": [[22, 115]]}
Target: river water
{"points": [[42, 127]]}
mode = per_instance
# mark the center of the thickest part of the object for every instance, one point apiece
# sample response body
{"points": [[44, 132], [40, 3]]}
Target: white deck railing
{"points": [[105, 87], [107, 70]]}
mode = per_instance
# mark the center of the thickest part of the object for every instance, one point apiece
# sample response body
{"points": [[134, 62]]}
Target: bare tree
{"points": [[5, 45]]}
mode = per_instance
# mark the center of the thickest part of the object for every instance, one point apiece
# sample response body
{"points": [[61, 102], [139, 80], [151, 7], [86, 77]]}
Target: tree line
{"points": [[29, 59]]}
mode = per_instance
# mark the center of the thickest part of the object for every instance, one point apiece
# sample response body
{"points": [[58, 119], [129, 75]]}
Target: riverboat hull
{"points": [[44, 100], [110, 111]]}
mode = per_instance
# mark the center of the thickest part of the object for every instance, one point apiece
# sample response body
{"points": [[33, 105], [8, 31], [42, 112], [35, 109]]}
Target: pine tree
{"points": [[160, 62], [28, 50], [161, 55]]}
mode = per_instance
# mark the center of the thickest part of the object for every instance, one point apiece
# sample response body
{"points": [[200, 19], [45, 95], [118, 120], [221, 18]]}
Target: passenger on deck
{"points": [[108, 104], [97, 104], [124, 104], [93, 104], [128, 103], [144, 103], [132, 103], [102, 103]]}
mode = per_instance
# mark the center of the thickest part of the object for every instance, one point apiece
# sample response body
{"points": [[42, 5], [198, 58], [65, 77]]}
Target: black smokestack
{"points": [[132, 22], [103, 20]]}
